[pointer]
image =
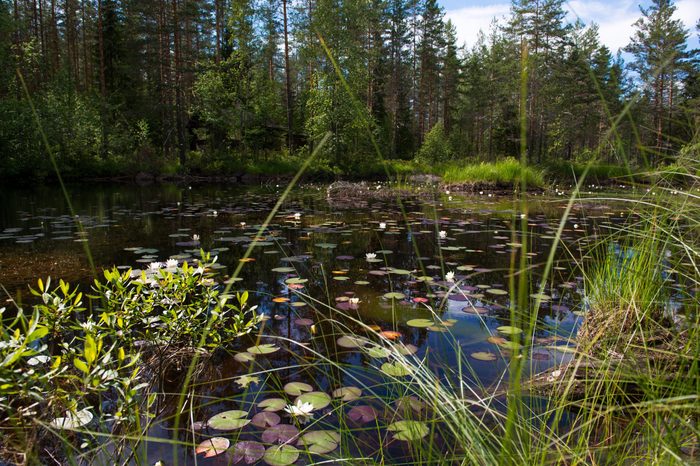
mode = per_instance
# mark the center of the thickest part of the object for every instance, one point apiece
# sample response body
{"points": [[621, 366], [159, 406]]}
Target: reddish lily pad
{"points": [[265, 419], [363, 414], [247, 451], [281, 433], [213, 447]]}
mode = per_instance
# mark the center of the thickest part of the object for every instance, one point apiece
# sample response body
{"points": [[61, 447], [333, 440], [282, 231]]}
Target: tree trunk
{"points": [[287, 80]]}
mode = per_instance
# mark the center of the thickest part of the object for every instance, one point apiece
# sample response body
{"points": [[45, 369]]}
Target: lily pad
{"points": [[378, 352], [297, 388], [281, 433], [350, 341], [406, 350], [213, 447], [409, 430], [265, 419], [281, 455], [73, 420], [420, 323], [396, 369], [363, 414], [296, 281], [320, 441], [318, 400], [229, 420], [347, 393], [247, 451], [272, 404], [263, 349], [484, 356], [496, 291], [394, 295], [509, 330], [284, 269]]}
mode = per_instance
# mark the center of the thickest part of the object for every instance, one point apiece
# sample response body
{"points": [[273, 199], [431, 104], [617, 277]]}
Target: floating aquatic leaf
{"points": [[272, 404], [361, 282], [303, 322], [409, 430], [396, 369], [265, 419], [213, 447], [363, 414], [229, 420], [284, 269], [496, 291], [320, 441], [420, 323], [247, 451], [319, 400], [541, 296], [394, 295], [509, 330], [406, 403], [263, 349], [73, 420], [347, 393], [350, 341], [295, 281], [406, 350], [510, 345], [297, 388], [484, 356], [399, 271], [281, 455], [475, 310], [378, 352], [561, 348], [390, 334], [246, 380], [281, 433], [244, 357]]}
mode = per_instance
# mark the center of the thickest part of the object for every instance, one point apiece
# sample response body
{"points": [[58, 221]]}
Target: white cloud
{"points": [[614, 18], [470, 20]]}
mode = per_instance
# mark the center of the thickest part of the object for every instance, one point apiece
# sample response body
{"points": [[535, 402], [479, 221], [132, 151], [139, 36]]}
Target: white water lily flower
{"points": [[198, 271], [370, 256], [297, 216], [442, 234], [195, 237], [155, 266], [354, 301], [382, 225], [242, 224], [300, 410], [214, 213], [171, 263], [450, 277]]}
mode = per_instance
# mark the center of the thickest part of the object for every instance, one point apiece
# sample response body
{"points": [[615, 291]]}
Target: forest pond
{"points": [[429, 273]]}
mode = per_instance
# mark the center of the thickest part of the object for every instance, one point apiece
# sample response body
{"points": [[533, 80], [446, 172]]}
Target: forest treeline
{"points": [[218, 86]]}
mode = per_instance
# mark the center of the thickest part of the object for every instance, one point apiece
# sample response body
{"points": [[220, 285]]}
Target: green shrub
{"points": [[436, 146]]}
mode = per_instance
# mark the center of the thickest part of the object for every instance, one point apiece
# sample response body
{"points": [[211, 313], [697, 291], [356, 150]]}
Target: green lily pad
{"points": [[420, 323], [281, 455], [244, 357], [409, 430], [541, 296], [320, 441], [396, 369], [319, 400], [406, 350], [347, 393], [263, 349], [496, 291], [229, 420], [350, 341], [509, 330], [295, 281], [394, 295], [297, 388], [284, 269], [561, 348], [400, 271], [378, 352], [272, 404], [484, 356]]}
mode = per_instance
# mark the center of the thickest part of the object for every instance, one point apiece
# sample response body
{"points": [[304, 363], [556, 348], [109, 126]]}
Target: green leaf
{"points": [[263, 349], [80, 364], [320, 441], [409, 430], [396, 369], [319, 400], [90, 349], [229, 420], [420, 323], [281, 455]]}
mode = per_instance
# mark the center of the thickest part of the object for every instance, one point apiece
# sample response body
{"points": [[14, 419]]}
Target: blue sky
{"points": [[614, 17]]}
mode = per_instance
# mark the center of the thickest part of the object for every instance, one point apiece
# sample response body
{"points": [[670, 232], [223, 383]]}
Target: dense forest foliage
{"points": [[215, 86]]}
